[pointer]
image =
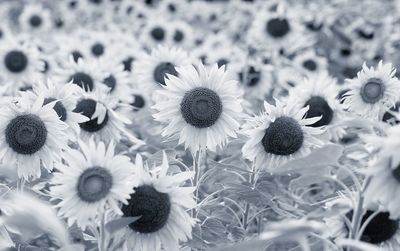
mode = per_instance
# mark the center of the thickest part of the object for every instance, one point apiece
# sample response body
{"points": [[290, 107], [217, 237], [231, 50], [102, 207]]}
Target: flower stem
{"points": [[247, 207], [102, 234], [196, 170]]}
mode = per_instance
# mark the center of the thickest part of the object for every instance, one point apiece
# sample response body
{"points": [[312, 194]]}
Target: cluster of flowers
{"points": [[193, 125]]}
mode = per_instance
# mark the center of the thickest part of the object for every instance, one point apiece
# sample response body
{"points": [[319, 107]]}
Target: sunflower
{"points": [[151, 70], [280, 134], [309, 62], [20, 62], [162, 204], [90, 181], [117, 80], [105, 122], [379, 226], [275, 30], [35, 19], [64, 97], [256, 78], [201, 106], [31, 136], [85, 74], [319, 92], [69, 46], [155, 32], [373, 92]]}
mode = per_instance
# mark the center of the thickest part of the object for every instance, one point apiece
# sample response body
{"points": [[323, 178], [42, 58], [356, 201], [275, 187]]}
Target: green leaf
{"points": [[120, 223]]}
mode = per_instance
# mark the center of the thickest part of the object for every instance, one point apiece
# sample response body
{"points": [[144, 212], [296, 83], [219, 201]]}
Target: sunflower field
{"points": [[199, 125]]}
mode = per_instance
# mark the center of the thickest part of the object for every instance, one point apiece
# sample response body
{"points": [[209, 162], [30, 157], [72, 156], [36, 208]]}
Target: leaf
{"points": [[322, 157], [213, 225], [115, 225]]}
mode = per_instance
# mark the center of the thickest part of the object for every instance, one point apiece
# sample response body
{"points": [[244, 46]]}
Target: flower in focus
{"points": [[91, 181], [200, 106], [162, 204], [32, 135], [279, 134], [373, 92]]}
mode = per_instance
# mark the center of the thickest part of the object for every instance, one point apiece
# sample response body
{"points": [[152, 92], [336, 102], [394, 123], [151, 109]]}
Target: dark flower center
{"points": [[389, 117], [83, 80], [319, 107], [381, 228], [350, 72], [366, 35], [96, 1], [110, 81], [372, 91], [76, 55], [35, 21], [396, 173], [253, 77], [310, 65], [284, 136], [128, 63], [16, 61], [153, 207], [222, 61], [58, 108], [97, 49], [26, 134], [201, 107], [94, 184], [345, 52], [161, 70], [278, 27], [87, 107], [178, 36], [138, 101], [158, 33]]}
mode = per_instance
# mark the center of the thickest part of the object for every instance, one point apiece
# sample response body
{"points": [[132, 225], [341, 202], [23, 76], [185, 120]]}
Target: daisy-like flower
{"points": [[155, 32], [35, 19], [310, 62], [274, 30], [85, 74], [117, 80], [162, 204], [65, 98], [380, 228], [182, 35], [31, 136], [280, 134], [151, 70], [256, 80], [97, 45], [319, 92], [373, 92], [105, 122], [201, 106], [20, 62], [91, 181], [69, 46]]}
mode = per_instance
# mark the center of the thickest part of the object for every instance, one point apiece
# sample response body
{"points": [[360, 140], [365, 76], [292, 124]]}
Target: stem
{"points": [[247, 210], [358, 212], [20, 184], [196, 170], [102, 239]]}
